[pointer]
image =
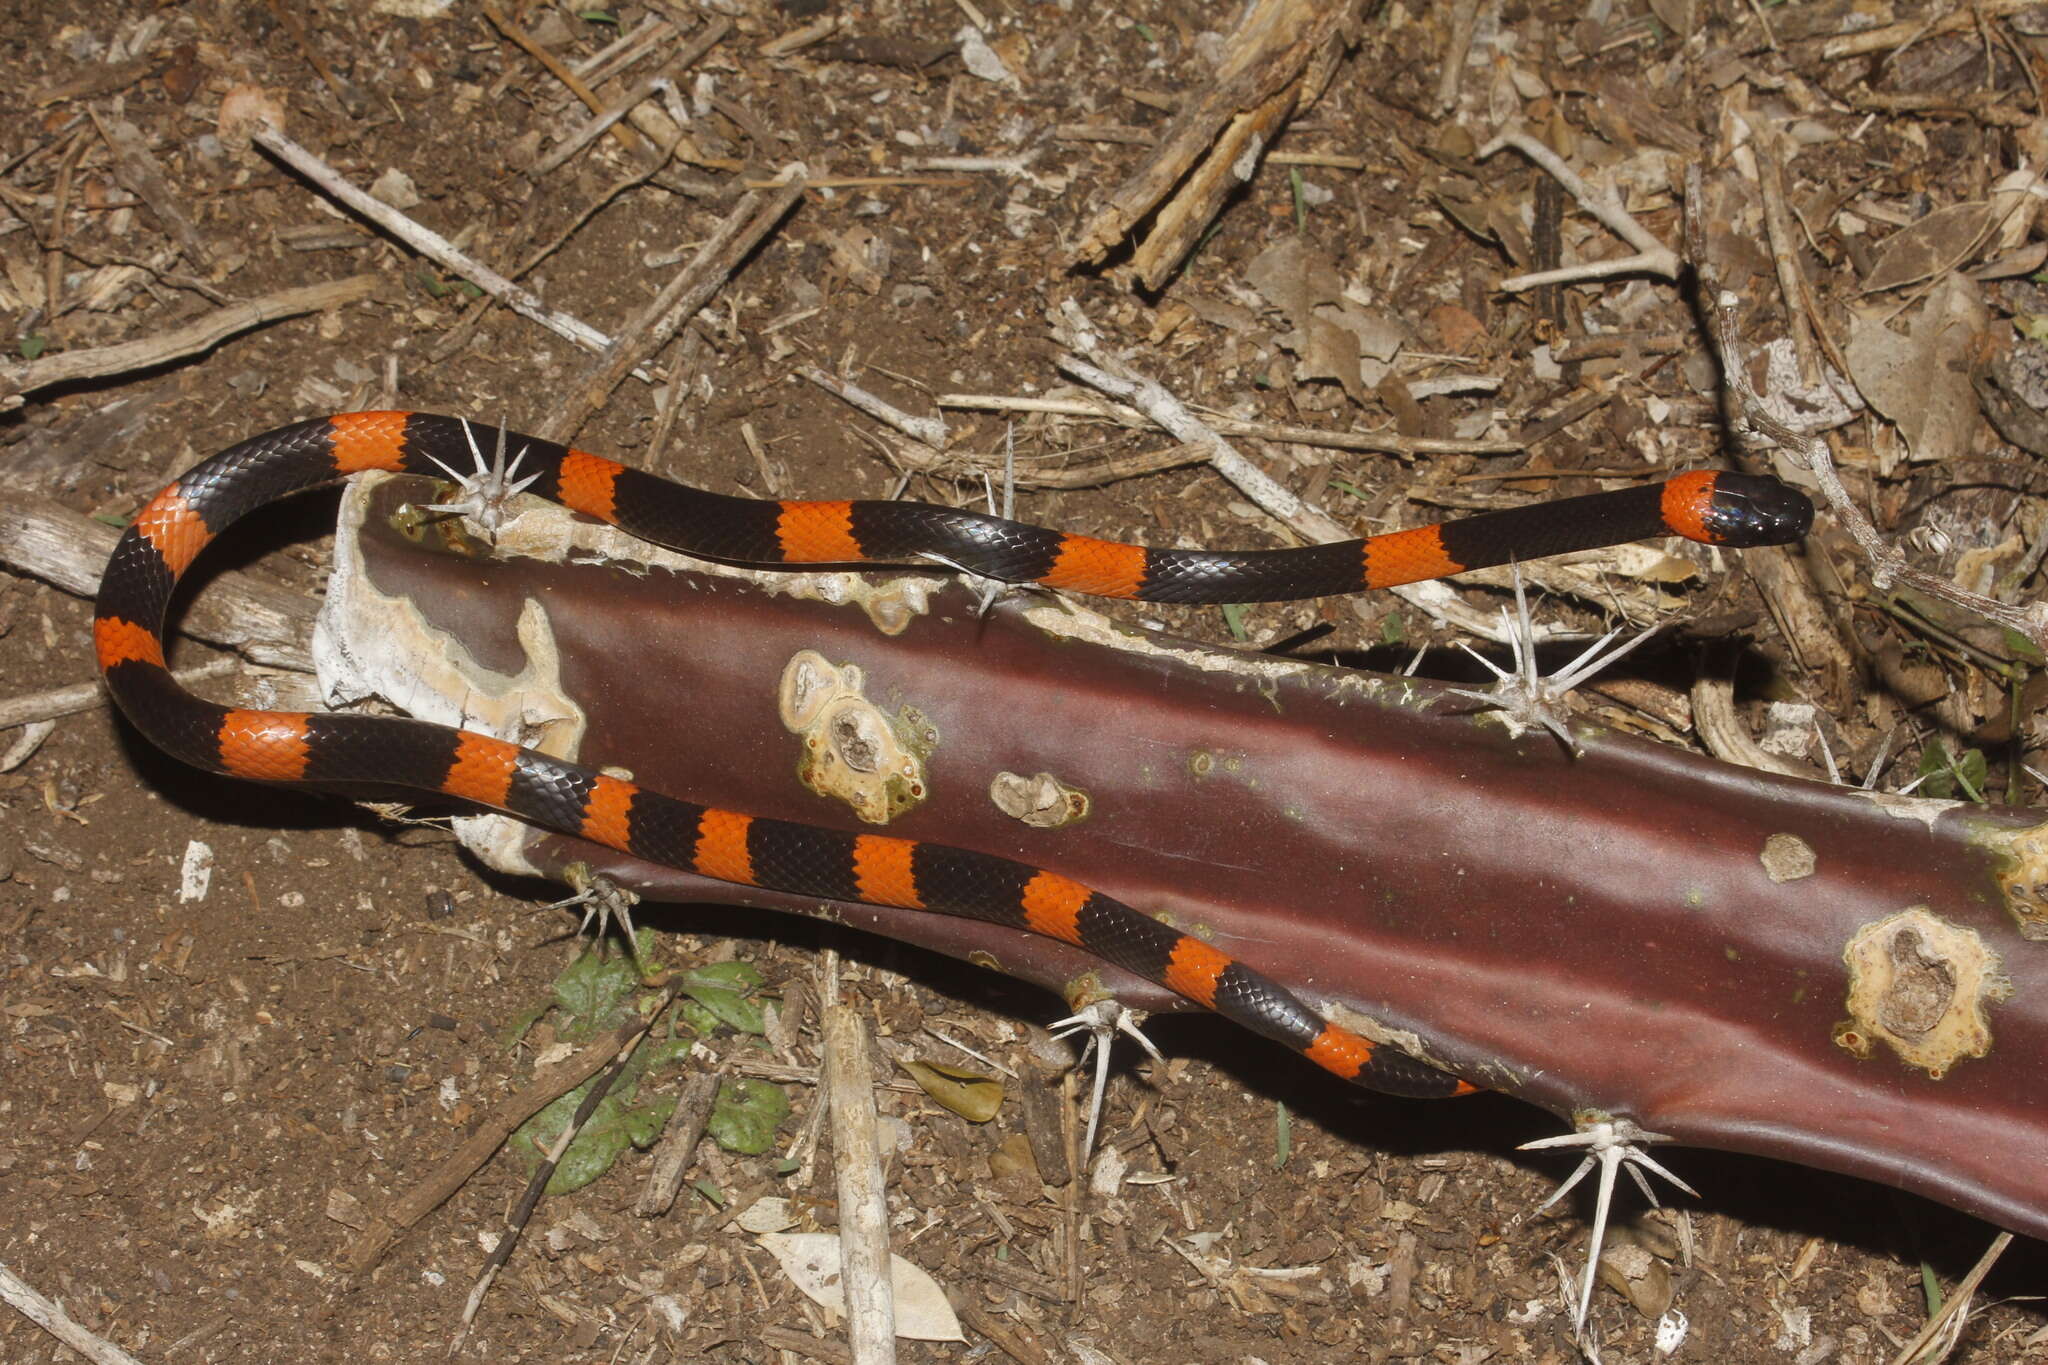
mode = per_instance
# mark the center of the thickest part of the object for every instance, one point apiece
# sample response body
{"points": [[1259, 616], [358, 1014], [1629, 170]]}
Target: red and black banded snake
{"points": [[343, 750]]}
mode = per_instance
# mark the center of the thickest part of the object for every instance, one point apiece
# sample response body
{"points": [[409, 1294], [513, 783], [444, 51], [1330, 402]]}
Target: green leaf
{"points": [[730, 976], [1233, 618], [667, 1052], [1947, 776], [592, 992], [1283, 1136], [1393, 630], [721, 989], [732, 1009], [523, 1022], [598, 16], [616, 1124], [695, 1018], [2024, 649], [746, 1115], [34, 345], [1973, 773], [613, 1127]]}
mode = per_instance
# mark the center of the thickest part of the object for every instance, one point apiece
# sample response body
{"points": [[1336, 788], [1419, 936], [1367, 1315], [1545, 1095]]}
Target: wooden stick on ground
{"points": [[1390, 442], [548, 1085], [751, 219], [1278, 58], [265, 623], [537, 1184], [863, 1205], [626, 137], [138, 170], [679, 1138], [246, 117], [86, 696], [1651, 256], [16, 1293], [928, 431], [201, 334]]}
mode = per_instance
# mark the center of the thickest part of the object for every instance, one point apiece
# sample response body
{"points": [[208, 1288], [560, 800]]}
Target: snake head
{"points": [[1747, 510]]}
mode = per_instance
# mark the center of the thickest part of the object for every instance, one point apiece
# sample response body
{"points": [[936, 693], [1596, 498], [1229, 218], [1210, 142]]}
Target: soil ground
{"points": [[185, 1086]]}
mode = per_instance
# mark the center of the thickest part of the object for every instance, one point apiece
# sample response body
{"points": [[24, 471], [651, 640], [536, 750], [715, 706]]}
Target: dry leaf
{"points": [[1013, 1157], [1457, 328], [1327, 351], [1921, 380], [969, 1094], [1231, 317], [766, 1215], [1333, 338], [812, 1262], [1294, 278], [1943, 240], [1640, 1277], [854, 251]]}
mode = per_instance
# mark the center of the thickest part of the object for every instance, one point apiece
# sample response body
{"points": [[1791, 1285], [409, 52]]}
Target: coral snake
{"points": [[389, 751]]}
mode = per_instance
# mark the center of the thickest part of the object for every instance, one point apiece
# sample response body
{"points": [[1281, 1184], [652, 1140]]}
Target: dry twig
{"points": [[863, 1204], [927, 431], [265, 623], [536, 1186], [1387, 442], [418, 236], [626, 137], [46, 1314], [201, 334], [1651, 256], [1278, 57], [548, 1085], [89, 696], [678, 1146], [751, 219]]}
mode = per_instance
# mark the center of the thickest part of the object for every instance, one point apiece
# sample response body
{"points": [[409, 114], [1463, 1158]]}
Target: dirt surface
{"points": [[198, 1096]]}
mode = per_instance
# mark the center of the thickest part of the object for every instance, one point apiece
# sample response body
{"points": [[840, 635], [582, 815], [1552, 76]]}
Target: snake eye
{"points": [[1752, 510]]}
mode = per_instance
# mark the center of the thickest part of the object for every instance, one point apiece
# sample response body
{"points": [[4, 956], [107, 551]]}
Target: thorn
{"points": [[485, 493], [1827, 753], [1611, 1144], [1884, 751], [1527, 697], [606, 902], [1009, 473], [987, 591], [1102, 1021]]}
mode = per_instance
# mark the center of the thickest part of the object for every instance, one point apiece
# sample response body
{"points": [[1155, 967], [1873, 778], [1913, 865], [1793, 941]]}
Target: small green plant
{"points": [[1945, 774], [439, 288], [597, 993], [746, 1114]]}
